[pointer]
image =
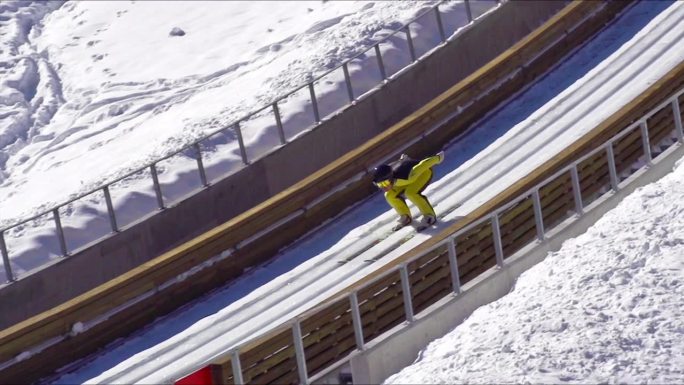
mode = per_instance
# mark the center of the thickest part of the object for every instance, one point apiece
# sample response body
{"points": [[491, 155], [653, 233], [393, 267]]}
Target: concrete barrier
{"points": [[66, 278]]}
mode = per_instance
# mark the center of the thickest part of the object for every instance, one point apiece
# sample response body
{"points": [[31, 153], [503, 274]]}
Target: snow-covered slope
{"points": [[619, 64], [124, 80], [93, 90]]}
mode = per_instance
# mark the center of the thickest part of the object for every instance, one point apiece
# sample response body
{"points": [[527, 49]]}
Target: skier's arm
{"points": [[423, 166]]}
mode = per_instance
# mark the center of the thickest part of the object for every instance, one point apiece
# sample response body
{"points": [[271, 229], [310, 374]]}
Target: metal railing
{"points": [[450, 244], [151, 169]]}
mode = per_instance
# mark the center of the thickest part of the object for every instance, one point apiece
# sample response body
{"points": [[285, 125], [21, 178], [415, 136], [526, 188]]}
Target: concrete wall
{"points": [[69, 277], [386, 356]]}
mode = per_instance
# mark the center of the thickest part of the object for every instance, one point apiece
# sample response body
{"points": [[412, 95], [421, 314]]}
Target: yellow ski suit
{"points": [[410, 179]]}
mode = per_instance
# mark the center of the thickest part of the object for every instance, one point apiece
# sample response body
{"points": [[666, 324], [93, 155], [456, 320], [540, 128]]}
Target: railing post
{"points": [[611, 167], [279, 123], [678, 120], [5, 258], [347, 81], [157, 186], [110, 209], [381, 65], [243, 151], [409, 41], [314, 104], [237, 368], [440, 25], [646, 142], [60, 232], [406, 291], [538, 215], [356, 321], [299, 352], [453, 266], [498, 248], [469, 13], [200, 165], [576, 190]]}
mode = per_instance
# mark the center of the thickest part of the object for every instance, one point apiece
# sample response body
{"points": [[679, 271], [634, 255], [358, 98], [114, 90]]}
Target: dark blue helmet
{"points": [[381, 173]]}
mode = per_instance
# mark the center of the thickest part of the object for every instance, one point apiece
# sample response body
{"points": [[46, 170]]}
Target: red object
{"points": [[200, 377]]}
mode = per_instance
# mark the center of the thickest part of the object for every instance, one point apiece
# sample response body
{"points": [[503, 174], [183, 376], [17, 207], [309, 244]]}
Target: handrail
{"points": [[195, 145], [450, 239]]}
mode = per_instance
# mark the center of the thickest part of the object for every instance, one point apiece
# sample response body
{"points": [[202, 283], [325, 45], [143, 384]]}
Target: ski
{"points": [[417, 229], [421, 227]]}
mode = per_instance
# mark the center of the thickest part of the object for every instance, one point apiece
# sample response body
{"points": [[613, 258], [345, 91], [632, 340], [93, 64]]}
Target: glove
{"points": [[441, 156]]}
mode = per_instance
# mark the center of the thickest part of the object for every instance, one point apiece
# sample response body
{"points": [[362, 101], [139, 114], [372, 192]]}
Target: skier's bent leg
{"points": [[414, 193], [397, 202]]}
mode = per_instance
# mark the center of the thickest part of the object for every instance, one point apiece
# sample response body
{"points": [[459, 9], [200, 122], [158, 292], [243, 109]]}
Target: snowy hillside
{"points": [[90, 91], [123, 90]]}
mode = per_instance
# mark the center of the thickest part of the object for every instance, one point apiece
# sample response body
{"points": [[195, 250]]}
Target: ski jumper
{"points": [[410, 179]]}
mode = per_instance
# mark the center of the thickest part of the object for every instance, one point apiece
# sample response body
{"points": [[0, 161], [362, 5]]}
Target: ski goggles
{"points": [[384, 184]]}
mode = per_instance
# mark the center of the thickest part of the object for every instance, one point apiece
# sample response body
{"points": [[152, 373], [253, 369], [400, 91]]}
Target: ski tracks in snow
{"points": [[30, 90]]}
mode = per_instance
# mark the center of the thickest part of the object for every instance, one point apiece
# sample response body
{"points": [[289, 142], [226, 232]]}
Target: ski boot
{"points": [[428, 220], [403, 220]]}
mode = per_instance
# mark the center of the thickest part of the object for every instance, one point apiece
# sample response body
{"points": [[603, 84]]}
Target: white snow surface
{"points": [[124, 81], [608, 307], [621, 62], [92, 90]]}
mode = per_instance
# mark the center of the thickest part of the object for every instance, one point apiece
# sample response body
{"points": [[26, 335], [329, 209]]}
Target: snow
{"points": [[85, 84], [92, 91], [596, 81], [605, 308]]}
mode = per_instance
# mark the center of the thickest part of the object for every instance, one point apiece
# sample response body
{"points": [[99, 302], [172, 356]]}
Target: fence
{"points": [[307, 347], [196, 148]]}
